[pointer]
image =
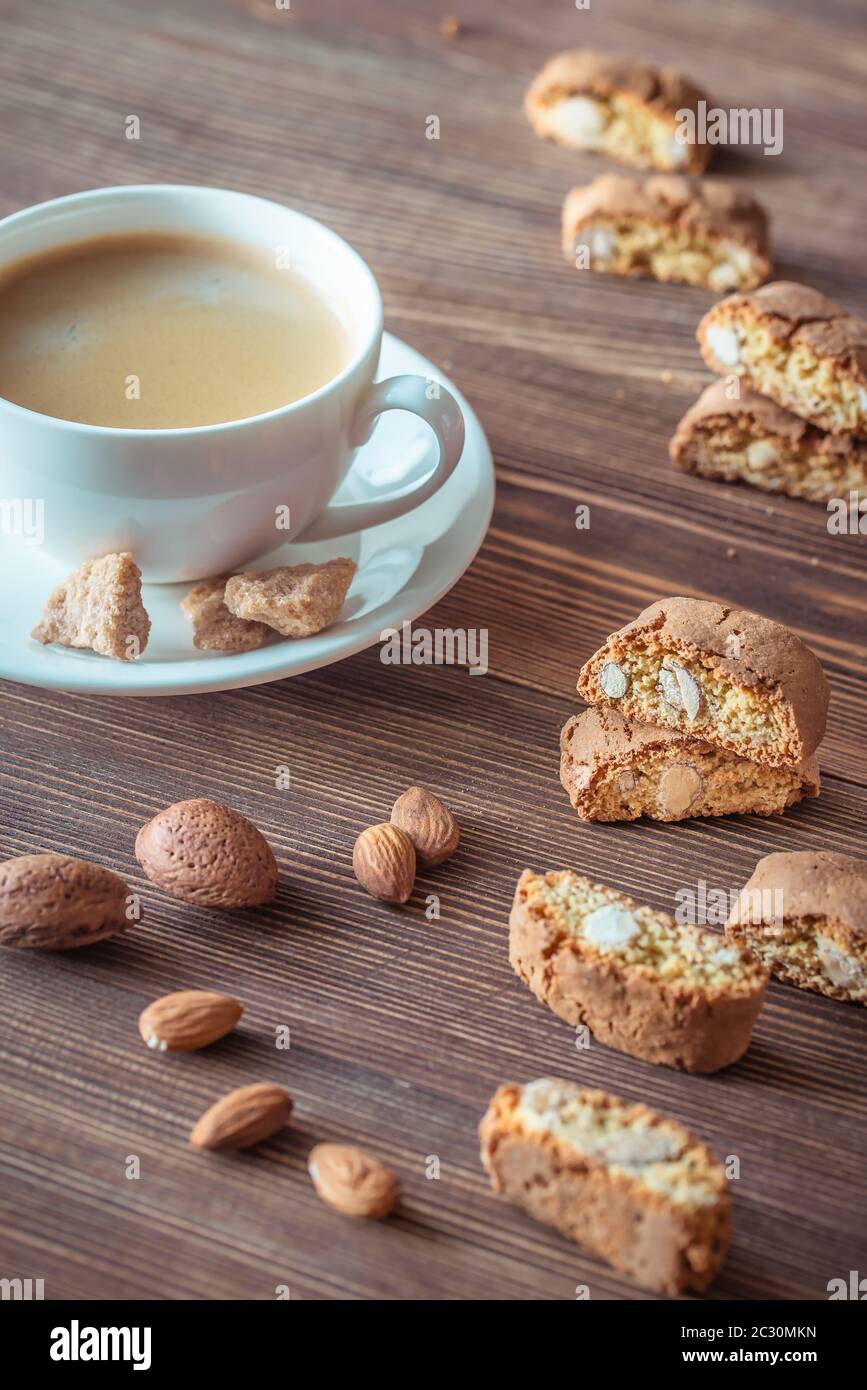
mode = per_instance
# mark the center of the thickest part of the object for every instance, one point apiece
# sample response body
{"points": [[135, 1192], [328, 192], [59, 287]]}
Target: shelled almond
{"points": [[188, 1019], [242, 1118]]}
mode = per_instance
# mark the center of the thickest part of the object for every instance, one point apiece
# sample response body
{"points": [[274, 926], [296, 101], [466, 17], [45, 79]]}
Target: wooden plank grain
{"points": [[402, 1025]]}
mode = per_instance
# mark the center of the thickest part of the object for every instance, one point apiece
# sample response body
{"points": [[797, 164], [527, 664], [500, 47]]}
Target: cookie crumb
{"points": [[731, 553], [215, 629], [98, 607], [666, 376], [296, 600], [451, 27]]}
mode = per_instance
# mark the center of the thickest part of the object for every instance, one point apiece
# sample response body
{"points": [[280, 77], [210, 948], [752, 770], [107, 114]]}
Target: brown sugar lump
{"points": [[616, 106], [751, 439], [702, 232], [724, 675], [215, 629], [675, 995], [637, 1189], [616, 769], [789, 342], [98, 607], [296, 600], [804, 914]]}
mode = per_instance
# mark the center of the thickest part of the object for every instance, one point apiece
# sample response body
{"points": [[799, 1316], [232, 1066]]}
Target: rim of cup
{"points": [[204, 191]]}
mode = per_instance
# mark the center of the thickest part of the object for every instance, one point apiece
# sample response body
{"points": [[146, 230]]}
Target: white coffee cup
{"points": [[195, 502]]}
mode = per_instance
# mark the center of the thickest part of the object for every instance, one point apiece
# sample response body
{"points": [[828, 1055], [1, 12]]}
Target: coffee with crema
{"points": [[158, 331]]}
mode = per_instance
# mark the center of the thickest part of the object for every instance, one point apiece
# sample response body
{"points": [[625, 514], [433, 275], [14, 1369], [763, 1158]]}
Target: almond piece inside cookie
{"points": [[668, 228], [633, 1187]]}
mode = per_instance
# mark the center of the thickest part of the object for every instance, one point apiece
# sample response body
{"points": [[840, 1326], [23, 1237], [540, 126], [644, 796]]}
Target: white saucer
{"points": [[404, 567]]}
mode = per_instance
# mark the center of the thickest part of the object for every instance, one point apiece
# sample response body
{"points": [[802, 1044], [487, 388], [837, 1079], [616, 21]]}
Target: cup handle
{"points": [[443, 414]]}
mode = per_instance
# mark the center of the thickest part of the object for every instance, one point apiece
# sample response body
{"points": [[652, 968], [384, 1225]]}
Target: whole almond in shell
{"points": [[188, 1020], [242, 1118], [352, 1181], [429, 824], [206, 853], [383, 861], [54, 903]]}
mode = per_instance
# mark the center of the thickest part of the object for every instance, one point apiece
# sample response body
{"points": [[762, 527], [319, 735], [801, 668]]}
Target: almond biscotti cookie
{"points": [[618, 106], [804, 914], [616, 769], [789, 342], [751, 439], [635, 1188], [730, 677], [675, 995], [704, 232]]}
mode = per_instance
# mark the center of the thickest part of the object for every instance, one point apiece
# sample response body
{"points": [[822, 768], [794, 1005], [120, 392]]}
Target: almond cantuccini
{"points": [[676, 995], [635, 1188], [793, 344], [804, 914], [668, 228], [618, 106], [724, 675], [614, 768], [745, 437]]}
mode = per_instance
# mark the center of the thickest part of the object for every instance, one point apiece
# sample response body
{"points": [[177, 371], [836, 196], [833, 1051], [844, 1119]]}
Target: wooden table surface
{"points": [[402, 1027]]}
